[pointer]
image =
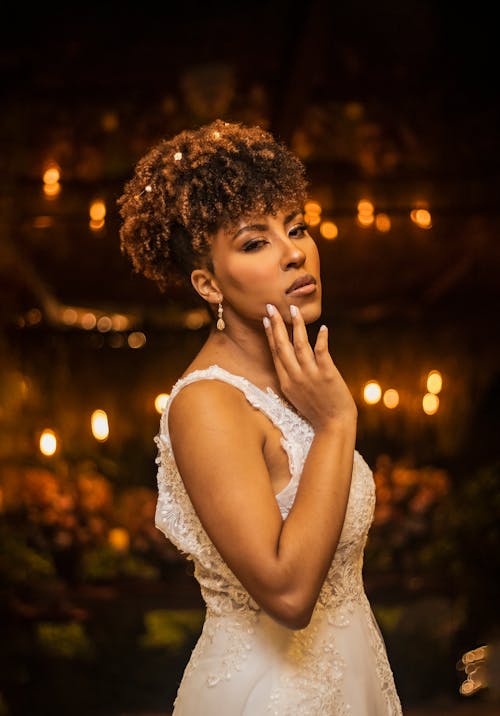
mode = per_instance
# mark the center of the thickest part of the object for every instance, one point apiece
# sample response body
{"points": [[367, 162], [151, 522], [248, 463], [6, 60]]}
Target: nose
{"points": [[293, 255]]}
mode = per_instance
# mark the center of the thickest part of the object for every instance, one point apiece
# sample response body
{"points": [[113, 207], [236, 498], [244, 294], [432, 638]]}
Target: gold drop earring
{"points": [[220, 321]]}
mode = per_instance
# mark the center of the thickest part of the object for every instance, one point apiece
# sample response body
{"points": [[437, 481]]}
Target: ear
{"points": [[205, 284]]}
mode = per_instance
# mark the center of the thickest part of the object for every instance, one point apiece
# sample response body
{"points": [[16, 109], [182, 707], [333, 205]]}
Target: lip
{"points": [[302, 286], [303, 290]]}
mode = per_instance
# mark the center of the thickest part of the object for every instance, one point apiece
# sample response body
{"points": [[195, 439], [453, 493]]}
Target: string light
{"points": [[119, 539], [422, 218], [51, 180], [100, 426], [312, 215], [391, 398], [136, 339], [434, 382], [372, 392], [48, 442], [160, 402], [430, 403], [97, 213], [366, 210], [382, 223], [329, 230]]}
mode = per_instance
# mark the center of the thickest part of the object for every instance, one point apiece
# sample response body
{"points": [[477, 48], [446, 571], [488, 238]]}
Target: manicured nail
{"points": [[322, 328], [270, 309], [266, 322], [294, 311]]}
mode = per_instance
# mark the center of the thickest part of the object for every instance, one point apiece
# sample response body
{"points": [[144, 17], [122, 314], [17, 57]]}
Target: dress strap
{"points": [[267, 401], [297, 433]]}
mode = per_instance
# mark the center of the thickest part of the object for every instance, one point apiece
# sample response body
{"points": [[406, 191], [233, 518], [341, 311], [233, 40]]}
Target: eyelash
{"points": [[302, 228], [254, 244]]}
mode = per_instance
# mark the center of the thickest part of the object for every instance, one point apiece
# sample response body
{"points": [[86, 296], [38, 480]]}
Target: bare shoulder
{"points": [[211, 403]]}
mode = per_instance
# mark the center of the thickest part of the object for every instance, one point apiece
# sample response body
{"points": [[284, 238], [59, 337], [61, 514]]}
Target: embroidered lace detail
{"points": [[237, 633], [312, 676]]}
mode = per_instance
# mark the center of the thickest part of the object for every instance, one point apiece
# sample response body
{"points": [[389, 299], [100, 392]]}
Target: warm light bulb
{"points": [[372, 392], [422, 218], [52, 174], [88, 321], [119, 539], [97, 210], [434, 382], [136, 339], [430, 403], [383, 223], [99, 423], [391, 398], [48, 442], [312, 219], [365, 206], [328, 230], [312, 207], [160, 402]]}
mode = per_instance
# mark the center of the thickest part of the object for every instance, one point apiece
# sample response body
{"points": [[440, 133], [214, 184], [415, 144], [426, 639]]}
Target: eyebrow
{"points": [[263, 227]]}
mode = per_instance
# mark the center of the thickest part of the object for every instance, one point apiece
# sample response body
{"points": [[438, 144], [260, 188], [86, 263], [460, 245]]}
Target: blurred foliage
{"points": [[106, 563], [420, 638], [20, 562], [77, 527], [431, 562], [171, 628], [65, 640], [408, 503]]}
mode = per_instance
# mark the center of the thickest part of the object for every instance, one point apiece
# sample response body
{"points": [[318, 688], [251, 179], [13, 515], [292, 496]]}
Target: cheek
{"points": [[249, 274]]}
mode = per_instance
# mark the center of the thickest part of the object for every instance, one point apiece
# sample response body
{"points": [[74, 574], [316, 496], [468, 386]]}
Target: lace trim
{"points": [[279, 412], [384, 671], [313, 670]]}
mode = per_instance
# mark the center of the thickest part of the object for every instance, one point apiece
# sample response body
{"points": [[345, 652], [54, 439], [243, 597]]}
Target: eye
{"points": [[298, 231], [254, 245]]}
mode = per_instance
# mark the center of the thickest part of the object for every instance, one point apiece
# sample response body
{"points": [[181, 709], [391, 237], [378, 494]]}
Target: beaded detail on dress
{"points": [[312, 670]]}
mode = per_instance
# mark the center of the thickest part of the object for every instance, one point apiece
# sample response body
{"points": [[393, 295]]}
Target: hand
{"points": [[308, 377]]}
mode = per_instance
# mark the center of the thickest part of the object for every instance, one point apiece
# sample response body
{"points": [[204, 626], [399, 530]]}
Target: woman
{"points": [[259, 482]]}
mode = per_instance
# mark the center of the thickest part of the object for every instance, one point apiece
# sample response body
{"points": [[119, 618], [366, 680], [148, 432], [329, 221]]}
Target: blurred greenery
{"points": [[96, 602], [106, 563], [167, 628], [66, 640]]}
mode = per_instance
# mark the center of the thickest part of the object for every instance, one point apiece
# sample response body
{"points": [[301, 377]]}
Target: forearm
{"points": [[310, 533]]}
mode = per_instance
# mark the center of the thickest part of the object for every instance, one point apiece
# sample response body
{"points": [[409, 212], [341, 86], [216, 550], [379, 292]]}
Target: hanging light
{"points": [[48, 442], [100, 426]]}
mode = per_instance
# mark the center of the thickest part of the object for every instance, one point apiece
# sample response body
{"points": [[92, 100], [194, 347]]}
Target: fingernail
{"points": [[266, 322], [270, 309], [322, 328], [293, 310]]}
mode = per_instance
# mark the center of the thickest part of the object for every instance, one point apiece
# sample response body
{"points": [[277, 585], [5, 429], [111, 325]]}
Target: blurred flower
{"points": [[94, 493]]}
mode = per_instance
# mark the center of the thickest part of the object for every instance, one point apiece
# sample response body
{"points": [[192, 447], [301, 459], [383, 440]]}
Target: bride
{"points": [[259, 481]]}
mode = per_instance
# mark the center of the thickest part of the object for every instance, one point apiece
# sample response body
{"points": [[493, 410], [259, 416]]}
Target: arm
{"points": [[282, 564]]}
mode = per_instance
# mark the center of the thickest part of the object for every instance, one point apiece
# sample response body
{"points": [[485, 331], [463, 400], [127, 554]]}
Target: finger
{"points": [[303, 350], [282, 346], [321, 351], [280, 371]]}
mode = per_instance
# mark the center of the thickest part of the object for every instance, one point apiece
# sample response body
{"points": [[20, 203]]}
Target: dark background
{"points": [[394, 102]]}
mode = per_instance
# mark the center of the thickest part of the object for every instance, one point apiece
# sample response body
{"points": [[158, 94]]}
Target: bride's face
{"points": [[268, 259]]}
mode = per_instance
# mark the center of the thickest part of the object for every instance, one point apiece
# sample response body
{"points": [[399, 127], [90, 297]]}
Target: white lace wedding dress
{"points": [[244, 662]]}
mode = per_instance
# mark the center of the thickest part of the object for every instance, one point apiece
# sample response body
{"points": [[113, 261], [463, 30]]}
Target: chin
{"points": [[311, 313]]}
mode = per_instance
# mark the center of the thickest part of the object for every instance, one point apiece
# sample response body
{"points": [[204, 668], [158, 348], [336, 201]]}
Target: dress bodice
{"points": [[177, 519], [245, 662]]}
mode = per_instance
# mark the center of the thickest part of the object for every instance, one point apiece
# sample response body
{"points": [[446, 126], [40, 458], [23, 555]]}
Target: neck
{"points": [[244, 350]]}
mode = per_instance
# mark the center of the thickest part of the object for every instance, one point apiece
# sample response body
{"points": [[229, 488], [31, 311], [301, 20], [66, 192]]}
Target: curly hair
{"points": [[186, 188]]}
